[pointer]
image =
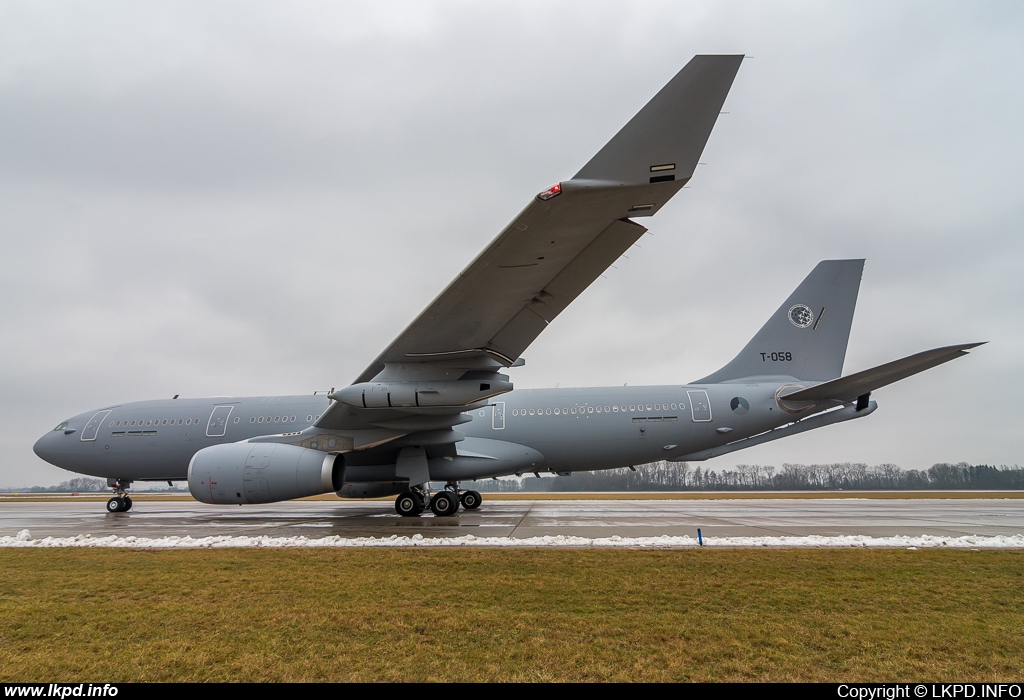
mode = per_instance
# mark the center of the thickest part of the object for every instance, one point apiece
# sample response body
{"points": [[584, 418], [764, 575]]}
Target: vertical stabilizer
{"points": [[806, 337]]}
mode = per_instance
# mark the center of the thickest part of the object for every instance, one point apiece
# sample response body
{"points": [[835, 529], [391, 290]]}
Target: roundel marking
{"points": [[801, 316]]}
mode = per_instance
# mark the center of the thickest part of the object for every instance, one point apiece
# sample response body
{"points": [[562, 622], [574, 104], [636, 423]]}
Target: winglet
{"points": [[665, 139]]}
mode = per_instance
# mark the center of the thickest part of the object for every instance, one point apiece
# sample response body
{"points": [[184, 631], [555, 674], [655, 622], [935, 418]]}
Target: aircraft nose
{"points": [[45, 447]]}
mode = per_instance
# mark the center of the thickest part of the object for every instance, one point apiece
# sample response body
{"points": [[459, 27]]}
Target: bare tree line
{"points": [[671, 476], [845, 476]]}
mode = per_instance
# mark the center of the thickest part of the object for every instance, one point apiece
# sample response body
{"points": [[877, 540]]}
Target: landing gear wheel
{"points": [[408, 504], [121, 502], [470, 500], [444, 503]]}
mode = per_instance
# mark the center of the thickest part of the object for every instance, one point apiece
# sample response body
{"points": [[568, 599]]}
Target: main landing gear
{"points": [[121, 502], [443, 503], [410, 503]]}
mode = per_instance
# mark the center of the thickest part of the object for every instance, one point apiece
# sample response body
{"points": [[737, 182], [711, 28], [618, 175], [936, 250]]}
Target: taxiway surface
{"points": [[525, 519]]}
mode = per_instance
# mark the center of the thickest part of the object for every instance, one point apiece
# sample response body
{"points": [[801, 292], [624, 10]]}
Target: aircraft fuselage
{"points": [[571, 429]]}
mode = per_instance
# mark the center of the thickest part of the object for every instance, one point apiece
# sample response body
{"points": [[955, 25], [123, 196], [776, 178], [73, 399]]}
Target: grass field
{"points": [[522, 615]]}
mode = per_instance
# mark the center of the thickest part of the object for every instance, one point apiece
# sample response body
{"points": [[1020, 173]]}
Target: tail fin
{"points": [[806, 337]]}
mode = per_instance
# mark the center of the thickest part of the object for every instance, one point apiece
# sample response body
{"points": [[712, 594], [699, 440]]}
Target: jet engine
{"points": [[261, 472]]}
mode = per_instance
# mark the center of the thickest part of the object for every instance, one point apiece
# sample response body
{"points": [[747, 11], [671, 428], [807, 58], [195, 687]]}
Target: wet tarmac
{"points": [[524, 519]]}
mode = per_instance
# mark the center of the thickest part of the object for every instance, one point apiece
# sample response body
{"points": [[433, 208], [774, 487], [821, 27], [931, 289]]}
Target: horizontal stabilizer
{"points": [[850, 387]]}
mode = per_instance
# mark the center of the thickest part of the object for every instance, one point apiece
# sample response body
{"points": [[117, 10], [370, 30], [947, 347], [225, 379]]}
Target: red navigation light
{"points": [[550, 192]]}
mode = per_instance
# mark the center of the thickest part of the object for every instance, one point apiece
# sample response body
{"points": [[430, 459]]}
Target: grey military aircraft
{"points": [[436, 406]]}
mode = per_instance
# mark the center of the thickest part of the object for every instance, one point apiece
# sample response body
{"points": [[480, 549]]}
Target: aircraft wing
{"points": [[567, 236], [850, 387], [556, 247]]}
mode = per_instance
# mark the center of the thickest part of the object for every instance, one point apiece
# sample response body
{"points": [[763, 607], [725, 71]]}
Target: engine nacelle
{"points": [[262, 472], [459, 392]]}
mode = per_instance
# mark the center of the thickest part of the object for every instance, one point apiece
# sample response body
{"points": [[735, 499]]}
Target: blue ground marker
{"points": [[700, 538]]}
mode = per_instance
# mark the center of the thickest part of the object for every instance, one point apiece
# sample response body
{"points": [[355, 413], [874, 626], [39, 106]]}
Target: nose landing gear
{"points": [[121, 502]]}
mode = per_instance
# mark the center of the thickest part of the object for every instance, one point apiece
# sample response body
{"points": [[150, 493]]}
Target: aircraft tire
{"points": [[408, 505], [127, 503], [115, 505], [444, 503], [471, 500]]}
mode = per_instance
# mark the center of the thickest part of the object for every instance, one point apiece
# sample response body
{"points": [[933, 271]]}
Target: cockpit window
{"points": [[61, 426]]}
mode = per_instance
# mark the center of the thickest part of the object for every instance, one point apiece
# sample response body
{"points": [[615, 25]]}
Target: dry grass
{"points": [[497, 615]]}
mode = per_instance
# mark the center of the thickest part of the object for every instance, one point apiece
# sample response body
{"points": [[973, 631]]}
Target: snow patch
{"points": [[24, 539]]}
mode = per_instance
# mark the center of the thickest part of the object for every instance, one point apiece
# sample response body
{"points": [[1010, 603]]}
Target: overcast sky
{"points": [[245, 198]]}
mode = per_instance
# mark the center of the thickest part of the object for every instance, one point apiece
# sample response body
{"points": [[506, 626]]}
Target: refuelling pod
{"points": [[262, 472], [423, 394]]}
